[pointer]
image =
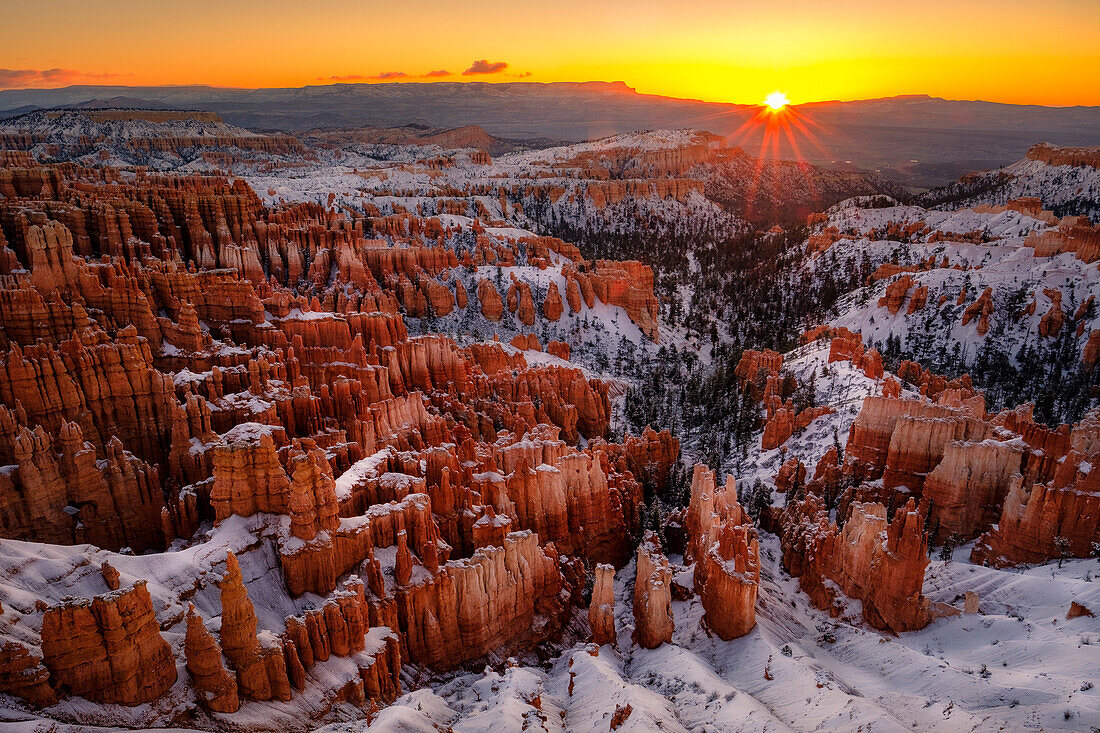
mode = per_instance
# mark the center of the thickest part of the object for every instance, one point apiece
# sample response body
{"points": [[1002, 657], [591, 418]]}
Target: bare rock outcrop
{"points": [[261, 671], [108, 648], [1044, 521], [601, 611], [551, 306], [215, 685], [24, 676], [967, 488], [492, 307], [653, 623], [723, 543], [878, 562]]}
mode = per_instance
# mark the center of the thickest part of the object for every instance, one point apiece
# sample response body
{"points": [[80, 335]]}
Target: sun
{"points": [[777, 101]]}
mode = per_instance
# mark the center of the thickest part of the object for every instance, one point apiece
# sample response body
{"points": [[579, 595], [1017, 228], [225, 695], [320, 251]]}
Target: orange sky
{"points": [[1000, 50]]}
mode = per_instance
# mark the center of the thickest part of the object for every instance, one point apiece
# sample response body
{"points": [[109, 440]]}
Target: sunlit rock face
{"points": [[1022, 488], [108, 648]]}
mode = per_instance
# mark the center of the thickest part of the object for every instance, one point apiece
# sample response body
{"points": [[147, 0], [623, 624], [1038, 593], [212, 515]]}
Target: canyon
{"points": [[294, 437]]}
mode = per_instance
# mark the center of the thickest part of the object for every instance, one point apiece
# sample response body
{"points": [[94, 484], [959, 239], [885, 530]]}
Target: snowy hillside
{"points": [[116, 127], [1065, 182], [990, 672], [990, 289], [164, 139]]}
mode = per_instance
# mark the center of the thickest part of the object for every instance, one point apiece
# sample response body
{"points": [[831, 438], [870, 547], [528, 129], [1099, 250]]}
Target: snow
{"points": [[841, 385], [186, 376], [32, 571], [847, 216], [1056, 186], [249, 432], [298, 314], [359, 472], [136, 141], [628, 144], [70, 126]]}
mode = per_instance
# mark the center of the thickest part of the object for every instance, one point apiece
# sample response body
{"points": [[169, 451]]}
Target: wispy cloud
{"points": [[481, 66], [382, 76], [484, 66], [24, 78]]}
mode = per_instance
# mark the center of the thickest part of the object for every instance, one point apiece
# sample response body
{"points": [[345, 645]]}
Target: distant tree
{"points": [[653, 521], [761, 500], [948, 548], [1063, 547]]}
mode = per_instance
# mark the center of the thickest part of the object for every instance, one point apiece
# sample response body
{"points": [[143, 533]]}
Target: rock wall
{"points": [[485, 603], [1043, 521]]}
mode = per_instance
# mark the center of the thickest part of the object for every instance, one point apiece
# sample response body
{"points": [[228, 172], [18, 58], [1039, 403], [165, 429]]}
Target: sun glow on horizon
{"points": [[777, 101]]}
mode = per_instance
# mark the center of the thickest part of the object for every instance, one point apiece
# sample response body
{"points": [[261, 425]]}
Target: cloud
{"points": [[483, 66], [524, 75], [360, 77], [439, 72], [23, 78]]}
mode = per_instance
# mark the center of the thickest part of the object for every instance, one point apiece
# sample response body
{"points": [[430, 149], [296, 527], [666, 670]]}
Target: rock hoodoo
{"points": [[653, 624], [723, 543]]}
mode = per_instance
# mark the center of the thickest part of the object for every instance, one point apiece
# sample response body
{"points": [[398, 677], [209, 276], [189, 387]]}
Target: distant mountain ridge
{"points": [[917, 140]]}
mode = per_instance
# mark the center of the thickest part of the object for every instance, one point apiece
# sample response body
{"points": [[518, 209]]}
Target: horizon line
{"points": [[616, 83]]}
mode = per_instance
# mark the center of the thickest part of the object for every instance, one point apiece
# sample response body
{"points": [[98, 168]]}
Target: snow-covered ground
{"points": [[1017, 665], [1005, 264], [187, 573], [841, 385]]}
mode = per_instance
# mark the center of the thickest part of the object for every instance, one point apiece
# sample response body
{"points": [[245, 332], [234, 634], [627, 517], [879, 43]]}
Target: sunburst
{"points": [[777, 101]]}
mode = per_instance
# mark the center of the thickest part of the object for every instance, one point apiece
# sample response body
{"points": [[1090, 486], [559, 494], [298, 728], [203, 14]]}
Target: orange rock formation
{"points": [[723, 543], [108, 648], [653, 624], [601, 611], [878, 562]]}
